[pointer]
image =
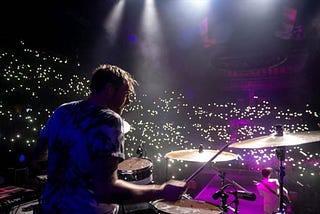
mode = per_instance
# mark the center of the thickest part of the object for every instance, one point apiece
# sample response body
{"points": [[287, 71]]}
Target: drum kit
{"points": [[135, 168]]}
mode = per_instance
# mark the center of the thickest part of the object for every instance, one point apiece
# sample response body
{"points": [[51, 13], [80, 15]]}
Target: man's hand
{"points": [[173, 190]]}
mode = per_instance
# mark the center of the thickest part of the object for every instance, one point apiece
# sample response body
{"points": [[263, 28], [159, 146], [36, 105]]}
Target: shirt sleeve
{"points": [[108, 139]]}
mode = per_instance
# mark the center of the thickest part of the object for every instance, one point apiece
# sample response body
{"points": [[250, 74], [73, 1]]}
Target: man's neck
{"points": [[96, 100]]}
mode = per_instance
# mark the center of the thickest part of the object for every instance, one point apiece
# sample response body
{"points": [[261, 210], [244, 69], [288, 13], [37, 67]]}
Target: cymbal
{"points": [[195, 156], [288, 139], [126, 126]]}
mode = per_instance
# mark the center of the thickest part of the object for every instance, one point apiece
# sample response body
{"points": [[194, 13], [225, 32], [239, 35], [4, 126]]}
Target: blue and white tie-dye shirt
{"points": [[77, 134]]}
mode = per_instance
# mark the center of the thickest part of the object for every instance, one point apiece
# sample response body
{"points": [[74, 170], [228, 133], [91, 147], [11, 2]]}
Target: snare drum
{"points": [[186, 206], [136, 170]]}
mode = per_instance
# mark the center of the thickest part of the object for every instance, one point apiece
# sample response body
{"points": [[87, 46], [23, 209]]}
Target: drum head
{"points": [[134, 164], [186, 206]]}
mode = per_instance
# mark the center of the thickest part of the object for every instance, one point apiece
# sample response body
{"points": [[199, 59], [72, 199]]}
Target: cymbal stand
{"points": [[236, 202], [224, 205], [280, 152], [223, 195], [222, 175]]}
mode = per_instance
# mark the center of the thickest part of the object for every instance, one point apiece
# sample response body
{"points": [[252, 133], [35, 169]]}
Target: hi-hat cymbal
{"points": [[204, 156], [288, 139]]}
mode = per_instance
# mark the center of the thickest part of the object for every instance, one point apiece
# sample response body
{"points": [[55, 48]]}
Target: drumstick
{"points": [[205, 164]]}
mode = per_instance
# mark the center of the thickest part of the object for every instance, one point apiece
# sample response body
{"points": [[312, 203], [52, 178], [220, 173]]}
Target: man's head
{"points": [[266, 172], [114, 84]]}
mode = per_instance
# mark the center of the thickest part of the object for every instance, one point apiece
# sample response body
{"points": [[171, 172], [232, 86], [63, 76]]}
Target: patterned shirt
{"points": [[77, 134]]}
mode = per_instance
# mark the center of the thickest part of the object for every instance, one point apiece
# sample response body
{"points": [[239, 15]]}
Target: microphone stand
{"points": [[221, 194], [224, 196], [235, 201], [223, 175], [224, 204]]}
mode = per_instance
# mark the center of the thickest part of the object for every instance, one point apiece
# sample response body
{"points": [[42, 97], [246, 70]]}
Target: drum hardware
{"points": [[140, 150], [280, 140]]}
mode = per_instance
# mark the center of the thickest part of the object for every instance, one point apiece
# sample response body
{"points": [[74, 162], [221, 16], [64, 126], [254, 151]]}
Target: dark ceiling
{"points": [[66, 25], [58, 25], [72, 28]]}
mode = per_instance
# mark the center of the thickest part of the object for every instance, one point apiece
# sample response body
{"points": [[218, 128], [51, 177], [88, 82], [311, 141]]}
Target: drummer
{"points": [[84, 143]]}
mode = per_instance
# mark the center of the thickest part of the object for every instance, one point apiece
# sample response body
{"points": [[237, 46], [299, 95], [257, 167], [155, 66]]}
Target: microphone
{"points": [[219, 194], [249, 196]]}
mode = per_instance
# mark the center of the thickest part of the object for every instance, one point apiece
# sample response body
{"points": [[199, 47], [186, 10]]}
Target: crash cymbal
{"points": [[288, 139], [126, 126], [205, 155]]}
